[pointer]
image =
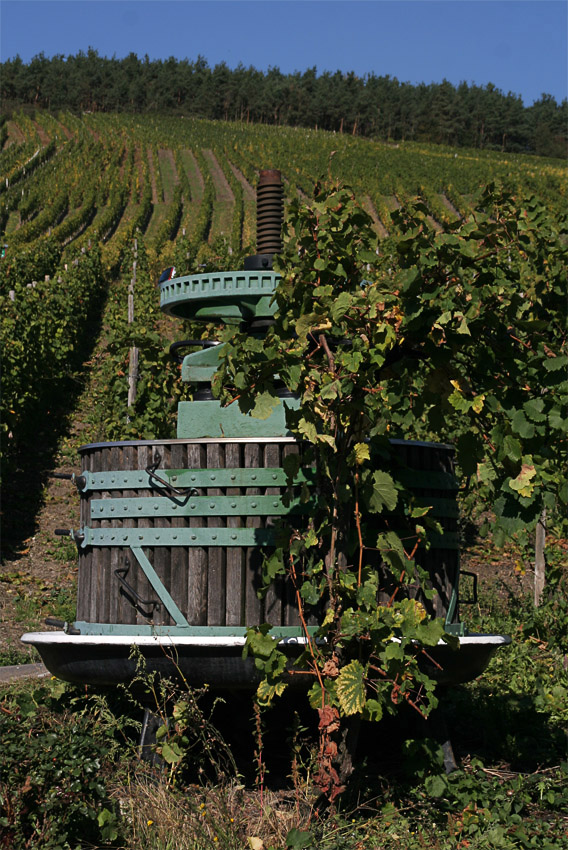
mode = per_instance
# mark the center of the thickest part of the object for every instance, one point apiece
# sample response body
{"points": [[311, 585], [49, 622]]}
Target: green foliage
{"points": [[43, 334], [52, 789], [29, 264], [157, 386], [447, 333]]}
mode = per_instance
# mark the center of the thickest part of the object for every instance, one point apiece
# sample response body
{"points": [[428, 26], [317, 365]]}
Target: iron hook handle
{"points": [[176, 491]]}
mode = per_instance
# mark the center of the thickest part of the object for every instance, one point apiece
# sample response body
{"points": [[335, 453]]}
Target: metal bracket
{"points": [[177, 491], [121, 576], [158, 586], [473, 600]]}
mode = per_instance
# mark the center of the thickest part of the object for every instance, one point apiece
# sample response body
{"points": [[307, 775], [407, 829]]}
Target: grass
{"points": [[508, 730]]}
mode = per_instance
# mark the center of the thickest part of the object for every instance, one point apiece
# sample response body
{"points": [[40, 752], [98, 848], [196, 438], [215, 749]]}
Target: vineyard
{"points": [[77, 191], [92, 208]]}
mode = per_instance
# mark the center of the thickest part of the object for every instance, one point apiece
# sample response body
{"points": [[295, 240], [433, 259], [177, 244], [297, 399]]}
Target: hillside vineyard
{"points": [[382, 107], [75, 193]]}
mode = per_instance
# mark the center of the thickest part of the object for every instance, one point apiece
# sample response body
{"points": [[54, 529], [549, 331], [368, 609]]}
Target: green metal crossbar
{"points": [[238, 477], [227, 506], [213, 537], [198, 478], [195, 506], [120, 537], [183, 631], [158, 586]]}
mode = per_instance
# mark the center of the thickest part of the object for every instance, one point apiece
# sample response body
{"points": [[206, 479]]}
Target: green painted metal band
{"points": [[196, 506], [120, 537], [158, 586], [226, 506], [138, 479], [183, 631]]}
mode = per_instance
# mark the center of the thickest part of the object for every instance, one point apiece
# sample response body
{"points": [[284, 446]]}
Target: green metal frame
{"points": [[198, 478], [202, 419], [120, 537], [159, 588], [163, 506], [227, 296], [184, 631]]}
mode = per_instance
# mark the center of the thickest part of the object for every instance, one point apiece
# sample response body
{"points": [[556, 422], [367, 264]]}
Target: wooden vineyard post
{"points": [[539, 560], [133, 356]]}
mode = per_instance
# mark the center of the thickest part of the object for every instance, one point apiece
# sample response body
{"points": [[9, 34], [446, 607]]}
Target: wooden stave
{"points": [[204, 595]]}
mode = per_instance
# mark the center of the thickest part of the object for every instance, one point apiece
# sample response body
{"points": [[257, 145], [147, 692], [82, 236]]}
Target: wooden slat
{"points": [[235, 571], [216, 578], [160, 557], [178, 557], [273, 607], [116, 555], [291, 616], [253, 607], [197, 558], [143, 586], [84, 579], [127, 610]]}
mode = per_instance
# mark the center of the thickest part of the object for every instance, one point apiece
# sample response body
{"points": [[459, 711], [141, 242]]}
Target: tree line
{"points": [[379, 107]]}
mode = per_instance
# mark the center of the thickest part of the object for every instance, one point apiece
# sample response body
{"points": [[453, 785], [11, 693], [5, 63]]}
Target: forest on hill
{"points": [[379, 107]]}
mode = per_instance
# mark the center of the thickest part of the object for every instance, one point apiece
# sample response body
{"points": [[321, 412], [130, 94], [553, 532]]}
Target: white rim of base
{"points": [[197, 640]]}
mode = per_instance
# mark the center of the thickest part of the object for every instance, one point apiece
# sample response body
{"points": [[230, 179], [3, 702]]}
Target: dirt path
{"points": [[40, 575], [15, 135], [194, 176], [248, 192], [155, 199], [392, 202], [170, 178], [17, 672], [223, 191], [65, 130], [370, 208], [435, 224], [449, 206], [136, 190], [42, 135]]}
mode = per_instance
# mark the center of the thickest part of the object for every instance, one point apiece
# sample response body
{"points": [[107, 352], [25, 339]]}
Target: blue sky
{"points": [[518, 45]]}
